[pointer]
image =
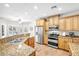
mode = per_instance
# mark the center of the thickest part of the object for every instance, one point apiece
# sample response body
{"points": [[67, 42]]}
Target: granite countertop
{"points": [[16, 50], [69, 36], [74, 48]]}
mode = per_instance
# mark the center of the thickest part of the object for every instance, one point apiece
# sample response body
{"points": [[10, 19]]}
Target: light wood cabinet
{"points": [[40, 22], [30, 42], [45, 38], [56, 20], [63, 42], [78, 21], [75, 40], [69, 23], [53, 20], [62, 24], [67, 40], [50, 21]]}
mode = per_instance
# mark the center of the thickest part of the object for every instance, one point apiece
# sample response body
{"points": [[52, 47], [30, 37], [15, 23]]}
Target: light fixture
{"points": [[6, 5], [59, 9], [26, 13], [44, 14], [35, 7], [19, 21]]}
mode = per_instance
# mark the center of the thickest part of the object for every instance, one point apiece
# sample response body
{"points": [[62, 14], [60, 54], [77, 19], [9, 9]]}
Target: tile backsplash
{"points": [[64, 33]]}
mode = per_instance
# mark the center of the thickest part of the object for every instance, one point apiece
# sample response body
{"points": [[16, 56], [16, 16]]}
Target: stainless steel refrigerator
{"points": [[39, 35]]}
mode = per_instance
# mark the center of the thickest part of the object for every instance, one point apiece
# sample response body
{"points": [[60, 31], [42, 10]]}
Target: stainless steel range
{"points": [[53, 36]]}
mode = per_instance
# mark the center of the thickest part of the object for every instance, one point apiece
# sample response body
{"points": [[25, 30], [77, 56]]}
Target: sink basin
{"points": [[16, 41]]}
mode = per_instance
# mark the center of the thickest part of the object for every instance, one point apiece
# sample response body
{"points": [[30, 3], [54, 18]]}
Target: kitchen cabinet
{"points": [[45, 38], [69, 23], [62, 24], [75, 40], [63, 42], [66, 43], [78, 21], [50, 21], [75, 23], [56, 20], [40, 22], [30, 42], [53, 20]]}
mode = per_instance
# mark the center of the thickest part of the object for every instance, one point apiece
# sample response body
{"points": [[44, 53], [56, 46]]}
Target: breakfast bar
{"points": [[15, 46]]}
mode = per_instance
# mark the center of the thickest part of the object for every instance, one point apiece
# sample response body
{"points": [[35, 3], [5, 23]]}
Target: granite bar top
{"points": [[16, 50], [74, 49]]}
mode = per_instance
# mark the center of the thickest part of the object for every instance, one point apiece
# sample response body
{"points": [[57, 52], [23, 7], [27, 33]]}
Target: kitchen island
{"points": [[16, 50], [15, 46]]}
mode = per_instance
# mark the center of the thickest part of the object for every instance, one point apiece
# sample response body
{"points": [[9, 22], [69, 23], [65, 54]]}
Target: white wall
{"points": [[29, 26]]}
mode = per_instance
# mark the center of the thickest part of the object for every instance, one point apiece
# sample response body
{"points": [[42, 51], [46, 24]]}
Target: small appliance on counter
{"points": [[71, 34]]}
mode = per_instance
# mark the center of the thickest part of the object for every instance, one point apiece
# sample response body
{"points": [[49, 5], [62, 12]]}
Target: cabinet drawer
{"points": [[75, 40]]}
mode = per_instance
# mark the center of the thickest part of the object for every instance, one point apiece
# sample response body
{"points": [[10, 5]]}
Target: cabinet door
{"points": [[75, 23], [45, 38], [31, 42], [68, 23], [50, 21], [62, 24], [61, 43], [40, 22], [75, 40], [78, 21], [66, 43], [56, 20]]}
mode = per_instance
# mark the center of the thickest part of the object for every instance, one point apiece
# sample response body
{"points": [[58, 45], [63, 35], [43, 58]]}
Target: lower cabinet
{"points": [[30, 42], [75, 40], [63, 42]]}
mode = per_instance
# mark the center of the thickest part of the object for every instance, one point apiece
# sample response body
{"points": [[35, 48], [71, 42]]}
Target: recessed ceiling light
{"points": [[6, 5], [36, 7], [59, 9], [26, 13], [44, 14]]}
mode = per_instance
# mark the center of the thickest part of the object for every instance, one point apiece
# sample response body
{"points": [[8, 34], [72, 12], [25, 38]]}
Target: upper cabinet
{"points": [[70, 23], [75, 23], [53, 20], [62, 24], [40, 22]]}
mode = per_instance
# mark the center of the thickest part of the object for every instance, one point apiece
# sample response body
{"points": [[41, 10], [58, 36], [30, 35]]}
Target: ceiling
{"points": [[33, 11]]}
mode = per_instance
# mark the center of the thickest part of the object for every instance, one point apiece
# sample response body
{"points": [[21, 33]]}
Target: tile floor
{"points": [[43, 50]]}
